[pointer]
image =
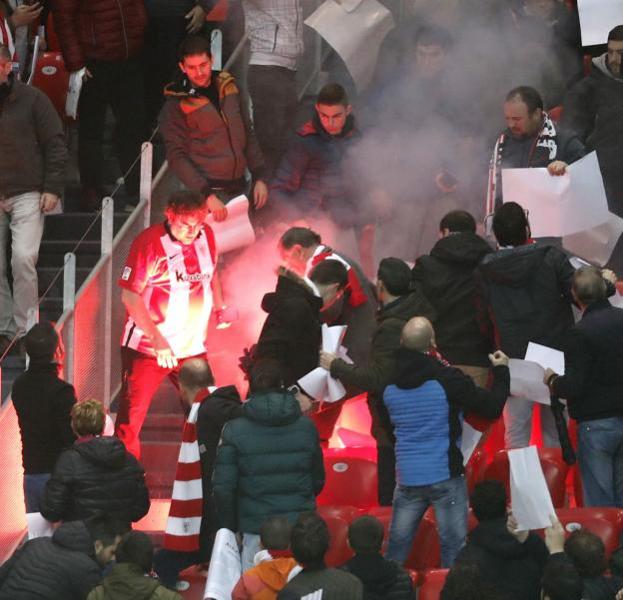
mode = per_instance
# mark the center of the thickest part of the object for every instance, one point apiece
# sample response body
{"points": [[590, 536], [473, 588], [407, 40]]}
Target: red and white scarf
{"points": [[357, 296], [5, 35], [184, 522]]}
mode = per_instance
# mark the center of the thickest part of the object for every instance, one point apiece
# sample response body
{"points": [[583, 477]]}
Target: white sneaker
{"points": [[181, 585]]}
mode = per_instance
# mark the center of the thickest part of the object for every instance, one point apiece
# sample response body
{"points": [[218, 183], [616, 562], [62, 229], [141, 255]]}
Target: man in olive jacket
{"points": [[269, 462]]}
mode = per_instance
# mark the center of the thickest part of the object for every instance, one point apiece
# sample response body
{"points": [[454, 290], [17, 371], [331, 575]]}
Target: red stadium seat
{"points": [[554, 469], [555, 113], [350, 480], [347, 513], [339, 550], [52, 78], [432, 584]]}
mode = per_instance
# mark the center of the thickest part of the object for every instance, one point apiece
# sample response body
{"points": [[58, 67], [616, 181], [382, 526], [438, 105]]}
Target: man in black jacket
{"points": [[593, 387], [510, 560], [446, 277], [43, 403], [525, 289], [66, 566], [97, 474]]}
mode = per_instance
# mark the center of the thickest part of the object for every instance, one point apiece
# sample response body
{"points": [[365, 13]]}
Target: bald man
{"points": [[209, 408], [426, 403]]}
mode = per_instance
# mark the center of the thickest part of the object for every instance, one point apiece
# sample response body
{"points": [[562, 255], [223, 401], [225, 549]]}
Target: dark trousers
{"points": [[381, 431], [118, 84], [273, 93], [142, 377], [169, 563]]}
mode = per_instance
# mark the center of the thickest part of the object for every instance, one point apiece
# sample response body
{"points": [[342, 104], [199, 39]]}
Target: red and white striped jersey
{"points": [[5, 35], [174, 281]]}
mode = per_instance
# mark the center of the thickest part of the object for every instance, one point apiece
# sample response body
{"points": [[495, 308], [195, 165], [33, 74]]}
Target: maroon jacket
{"points": [[98, 29]]}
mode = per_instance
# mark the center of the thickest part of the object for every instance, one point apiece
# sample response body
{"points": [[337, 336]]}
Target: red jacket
{"points": [[98, 29]]}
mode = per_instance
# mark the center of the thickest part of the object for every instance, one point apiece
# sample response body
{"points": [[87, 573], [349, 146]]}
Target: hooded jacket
{"points": [[382, 579], [209, 147], [62, 567], [264, 580], [593, 109], [316, 172], [97, 475], [515, 569], [426, 403], [446, 277], [291, 333], [526, 293], [129, 582], [269, 463]]}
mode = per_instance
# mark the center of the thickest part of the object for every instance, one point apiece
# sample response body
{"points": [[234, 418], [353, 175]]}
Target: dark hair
{"points": [[396, 276], [616, 562], [488, 500], [266, 374], [365, 535], [433, 35], [458, 220], [587, 553], [136, 548], [41, 341], [105, 528], [464, 582], [193, 45], [589, 285], [309, 540], [196, 374], [332, 94], [616, 34], [329, 271], [186, 202], [275, 533], [528, 95], [5, 53], [299, 236], [509, 225], [561, 581]]}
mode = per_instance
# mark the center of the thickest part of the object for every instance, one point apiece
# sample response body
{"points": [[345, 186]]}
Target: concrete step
{"points": [[46, 275], [73, 225], [52, 252]]}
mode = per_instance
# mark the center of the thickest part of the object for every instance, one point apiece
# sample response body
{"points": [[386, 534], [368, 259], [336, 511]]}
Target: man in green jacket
{"points": [[269, 462], [400, 301]]}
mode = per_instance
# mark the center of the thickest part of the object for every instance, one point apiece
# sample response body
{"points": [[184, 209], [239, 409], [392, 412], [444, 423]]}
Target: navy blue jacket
{"points": [[426, 406]]}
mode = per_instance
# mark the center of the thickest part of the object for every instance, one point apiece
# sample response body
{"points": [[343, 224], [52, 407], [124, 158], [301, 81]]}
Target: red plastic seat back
{"points": [[350, 481], [347, 513], [432, 584], [52, 78], [339, 550], [555, 113]]}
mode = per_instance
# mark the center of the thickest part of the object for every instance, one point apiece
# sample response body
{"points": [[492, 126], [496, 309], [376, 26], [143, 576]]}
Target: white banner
{"points": [[597, 18]]}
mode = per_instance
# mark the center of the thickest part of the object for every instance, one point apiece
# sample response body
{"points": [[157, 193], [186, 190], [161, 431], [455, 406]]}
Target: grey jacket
{"points": [[33, 154]]}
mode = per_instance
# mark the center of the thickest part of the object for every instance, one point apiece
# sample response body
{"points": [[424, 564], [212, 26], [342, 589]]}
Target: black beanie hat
{"points": [[396, 276]]}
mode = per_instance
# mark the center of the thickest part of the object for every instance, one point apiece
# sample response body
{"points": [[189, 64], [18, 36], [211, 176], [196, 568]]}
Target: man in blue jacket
{"points": [[426, 403]]}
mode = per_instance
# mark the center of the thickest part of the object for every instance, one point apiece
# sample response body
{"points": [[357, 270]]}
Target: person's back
{"points": [[512, 563], [96, 474], [382, 579], [446, 277]]}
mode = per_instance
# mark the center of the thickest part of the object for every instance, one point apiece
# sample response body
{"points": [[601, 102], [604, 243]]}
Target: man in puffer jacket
{"points": [[269, 462], [106, 38], [129, 579], [96, 474]]}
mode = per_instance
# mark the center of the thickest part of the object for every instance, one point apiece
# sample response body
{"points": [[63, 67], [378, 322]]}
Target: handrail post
{"points": [[216, 48], [69, 303], [147, 159], [108, 216]]}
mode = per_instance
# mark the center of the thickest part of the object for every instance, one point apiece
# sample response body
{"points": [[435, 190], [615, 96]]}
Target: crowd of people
{"points": [[429, 343]]}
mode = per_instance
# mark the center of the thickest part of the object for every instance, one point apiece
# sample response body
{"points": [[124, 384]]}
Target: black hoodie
{"points": [[96, 475], [512, 567], [526, 291], [382, 579], [446, 277]]}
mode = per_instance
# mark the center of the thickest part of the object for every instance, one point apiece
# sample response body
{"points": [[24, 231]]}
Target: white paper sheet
{"points": [[597, 244], [367, 23], [527, 381], [530, 499], [548, 358], [559, 206], [318, 383], [469, 440], [597, 18], [225, 566], [73, 93], [236, 230], [38, 526]]}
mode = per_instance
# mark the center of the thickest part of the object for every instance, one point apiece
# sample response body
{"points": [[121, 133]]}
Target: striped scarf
{"points": [[357, 296], [5, 35], [184, 522]]}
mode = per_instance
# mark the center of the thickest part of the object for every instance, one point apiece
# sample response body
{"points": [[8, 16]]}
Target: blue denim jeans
{"points": [[33, 490], [600, 453], [448, 498]]}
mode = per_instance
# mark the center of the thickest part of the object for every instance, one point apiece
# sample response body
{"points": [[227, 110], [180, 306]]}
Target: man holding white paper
{"points": [[593, 387]]}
